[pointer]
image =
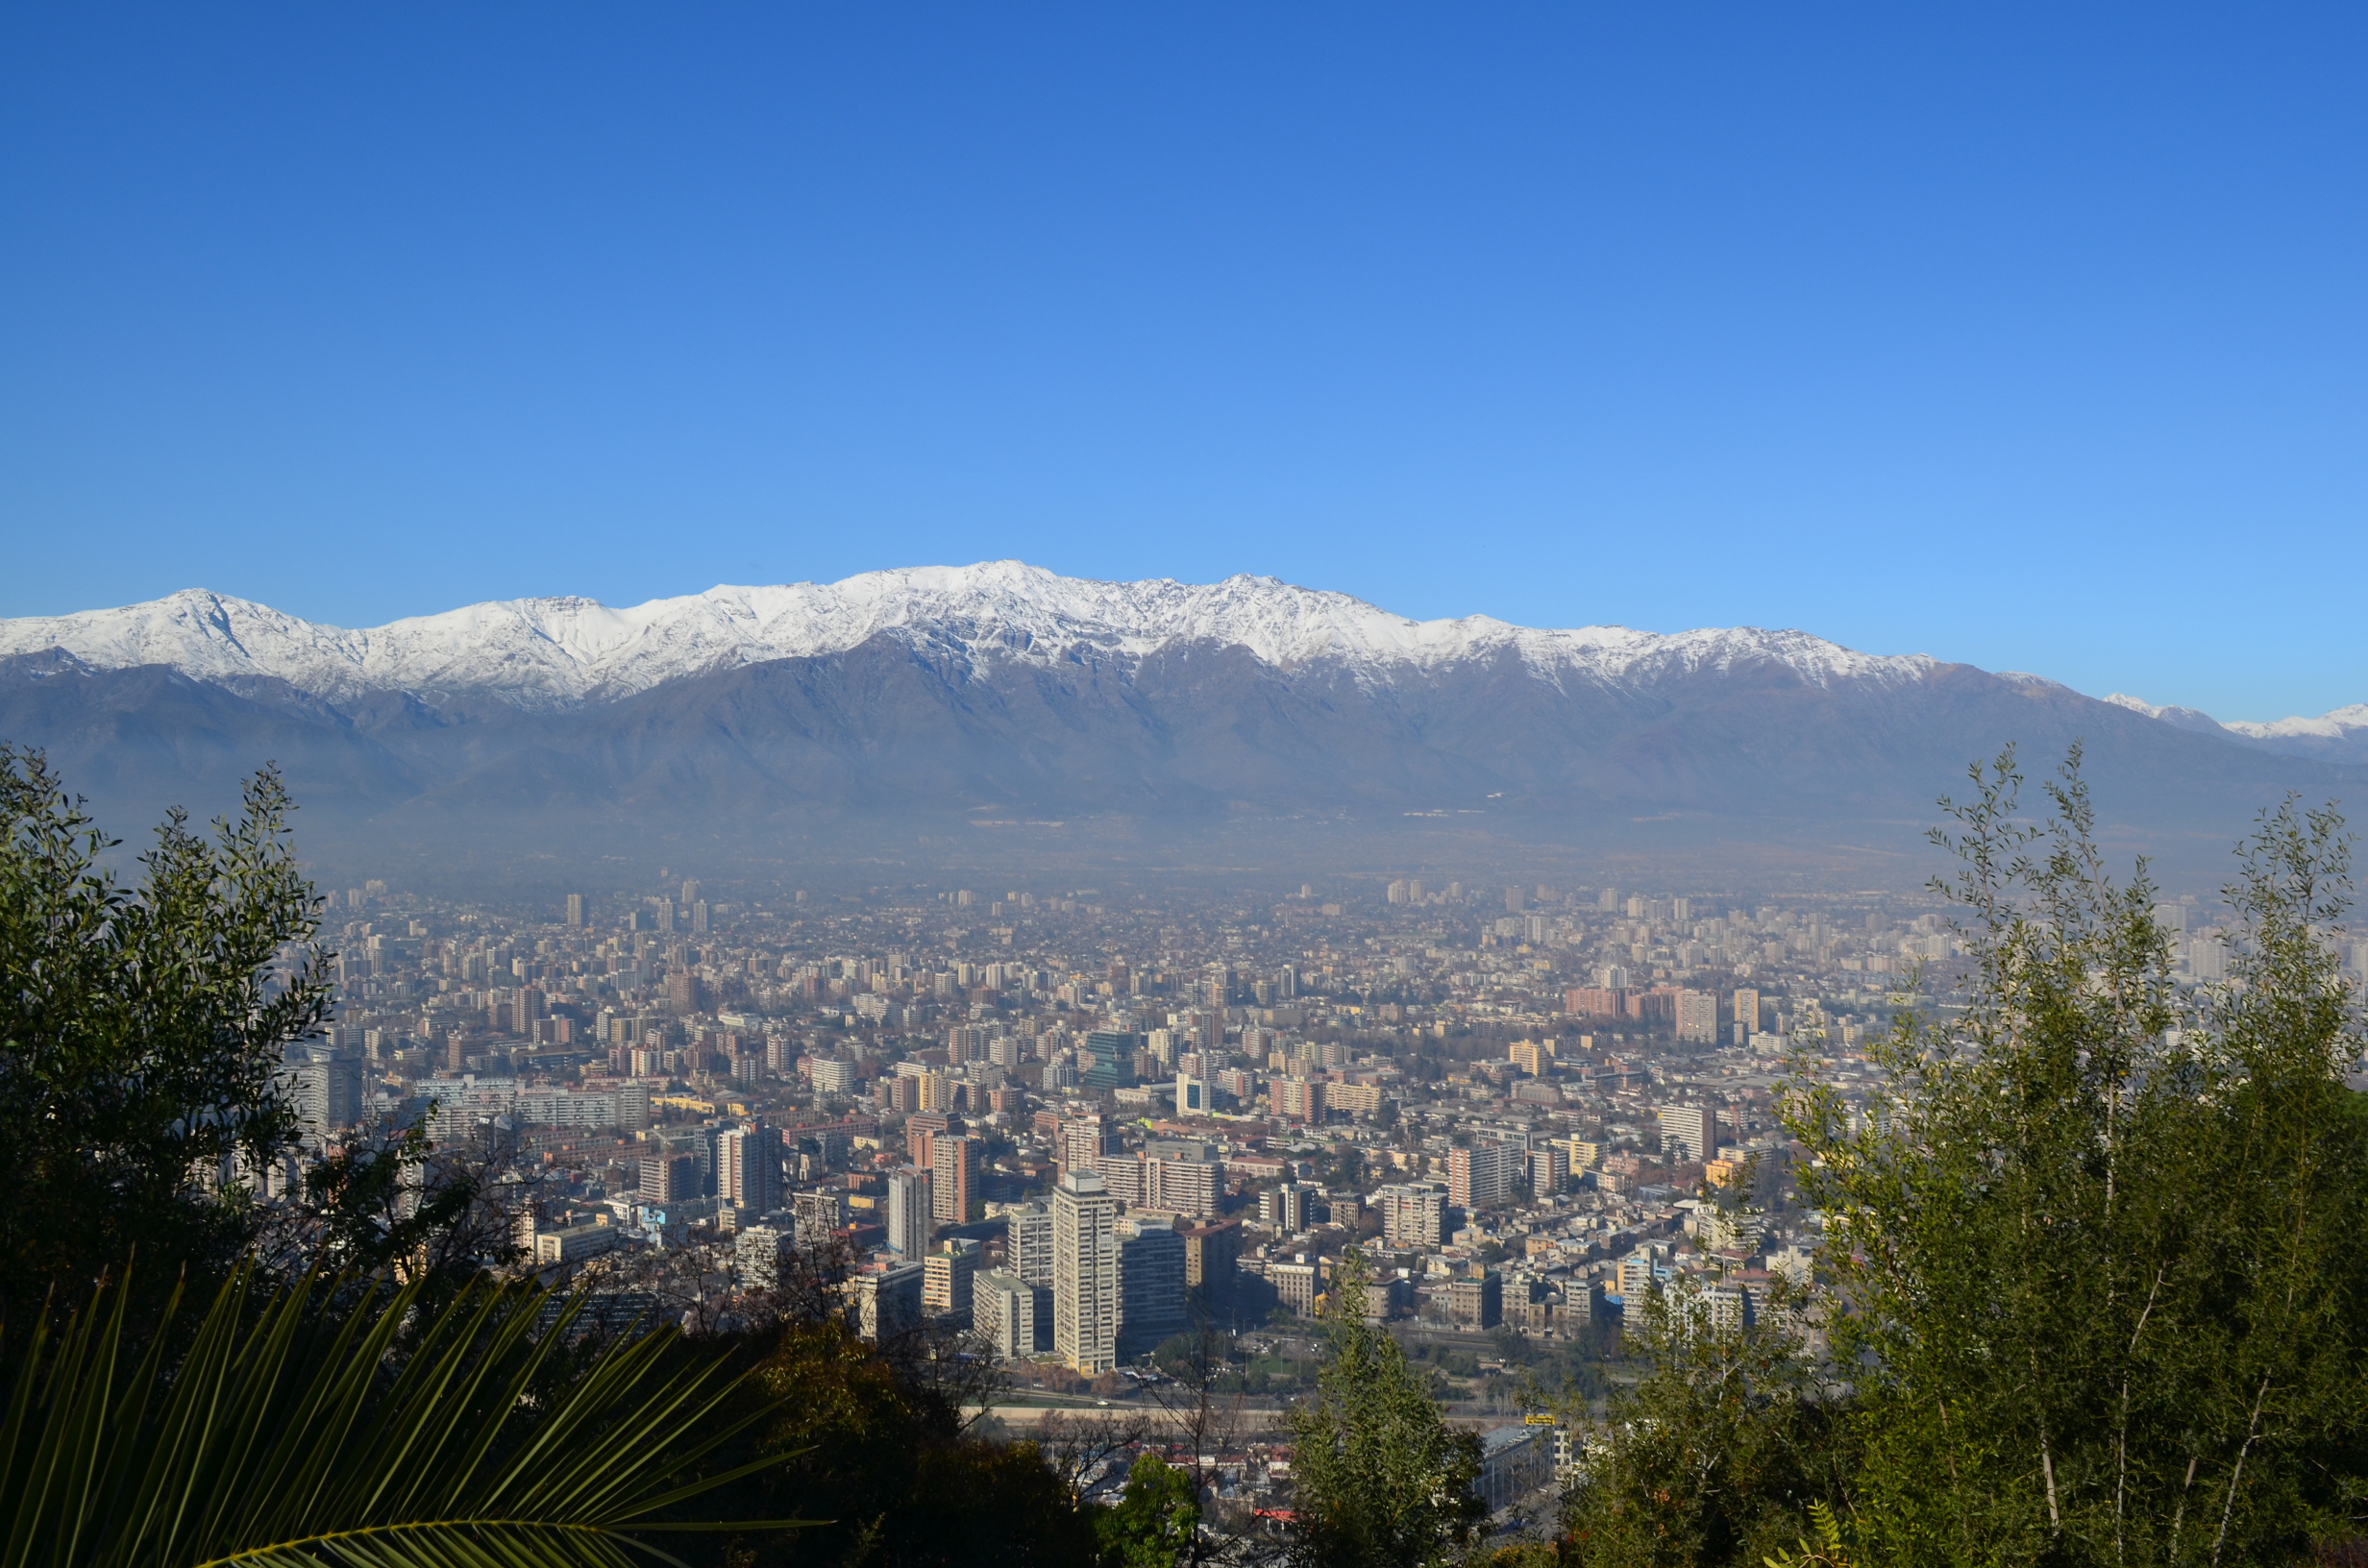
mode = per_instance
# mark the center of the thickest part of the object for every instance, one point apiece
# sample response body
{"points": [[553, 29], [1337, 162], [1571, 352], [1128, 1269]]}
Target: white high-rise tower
{"points": [[1085, 1273]]}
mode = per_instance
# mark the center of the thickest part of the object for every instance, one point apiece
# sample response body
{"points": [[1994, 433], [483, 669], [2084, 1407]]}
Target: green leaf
{"points": [[289, 1437]]}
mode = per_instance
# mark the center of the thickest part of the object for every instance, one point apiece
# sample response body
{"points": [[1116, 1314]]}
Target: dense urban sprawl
{"points": [[1078, 1124]]}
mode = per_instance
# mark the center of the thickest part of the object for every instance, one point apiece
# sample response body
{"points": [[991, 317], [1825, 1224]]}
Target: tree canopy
{"points": [[1380, 1479], [143, 1032], [2094, 1246]]}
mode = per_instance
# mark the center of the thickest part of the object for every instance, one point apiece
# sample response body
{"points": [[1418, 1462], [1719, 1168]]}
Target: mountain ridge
{"points": [[925, 700], [558, 652]]}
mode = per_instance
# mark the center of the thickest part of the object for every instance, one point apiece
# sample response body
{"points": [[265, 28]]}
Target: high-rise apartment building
{"points": [[1697, 1018], [1212, 1255], [1482, 1174], [757, 1253], [1003, 1311], [1413, 1213], [819, 1212], [328, 1084], [1183, 1186], [1122, 1174], [1085, 1274], [1286, 1207], [576, 912], [912, 1221], [949, 1273], [1688, 1134], [748, 1167], [669, 1178], [1027, 1242], [888, 1300], [1747, 1015], [1477, 1300], [1297, 1099], [1298, 1280], [1083, 1141], [956, 1165]]}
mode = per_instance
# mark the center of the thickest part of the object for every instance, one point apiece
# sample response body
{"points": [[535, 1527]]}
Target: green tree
{"points": [[1380, 1479], [1718, 1453], [881, 1455], [1154, 1520], [2095, 1250], [142, 1033]]}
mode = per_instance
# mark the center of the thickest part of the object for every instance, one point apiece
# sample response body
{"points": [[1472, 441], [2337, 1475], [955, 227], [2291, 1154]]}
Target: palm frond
{"points": [[391, 1436]]}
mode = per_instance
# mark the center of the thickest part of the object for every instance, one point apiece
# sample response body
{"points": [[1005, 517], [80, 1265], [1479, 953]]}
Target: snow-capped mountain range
{"points": [[1004, 695], [543, 654], [2341, 735]]}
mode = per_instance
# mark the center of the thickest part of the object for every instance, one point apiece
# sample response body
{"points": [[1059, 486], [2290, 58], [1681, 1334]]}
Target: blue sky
{"points": [[2033, 336]]}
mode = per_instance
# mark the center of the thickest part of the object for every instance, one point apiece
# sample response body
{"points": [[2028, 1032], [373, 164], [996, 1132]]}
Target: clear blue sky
{"points": [[2027, 335]]}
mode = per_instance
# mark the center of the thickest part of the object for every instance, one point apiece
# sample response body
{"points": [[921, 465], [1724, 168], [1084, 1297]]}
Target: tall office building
{"points": [[1688, 1134], [1028, 1243], [1191, 1095], [1109, 1059], [1085, 1274], [911, 1215], [956, 1164], [1150, 1283]]}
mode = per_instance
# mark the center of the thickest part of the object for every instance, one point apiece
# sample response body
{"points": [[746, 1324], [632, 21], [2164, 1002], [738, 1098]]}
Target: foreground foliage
{"points": [[1717, 1456], [2099, 1252], [286, 1437], [1153, 1524], [1381, 1481], [877, 1448], [141, 1034]]}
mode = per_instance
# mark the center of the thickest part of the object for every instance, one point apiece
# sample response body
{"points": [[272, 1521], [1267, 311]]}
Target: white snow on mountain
{"points": [[2340, 724], [2337, 734], [558, 653]]}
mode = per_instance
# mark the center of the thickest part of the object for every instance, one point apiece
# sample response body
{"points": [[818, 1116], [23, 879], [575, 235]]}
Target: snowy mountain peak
{"points": [[560, 652], [2341, 735], [2337, 724]]}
